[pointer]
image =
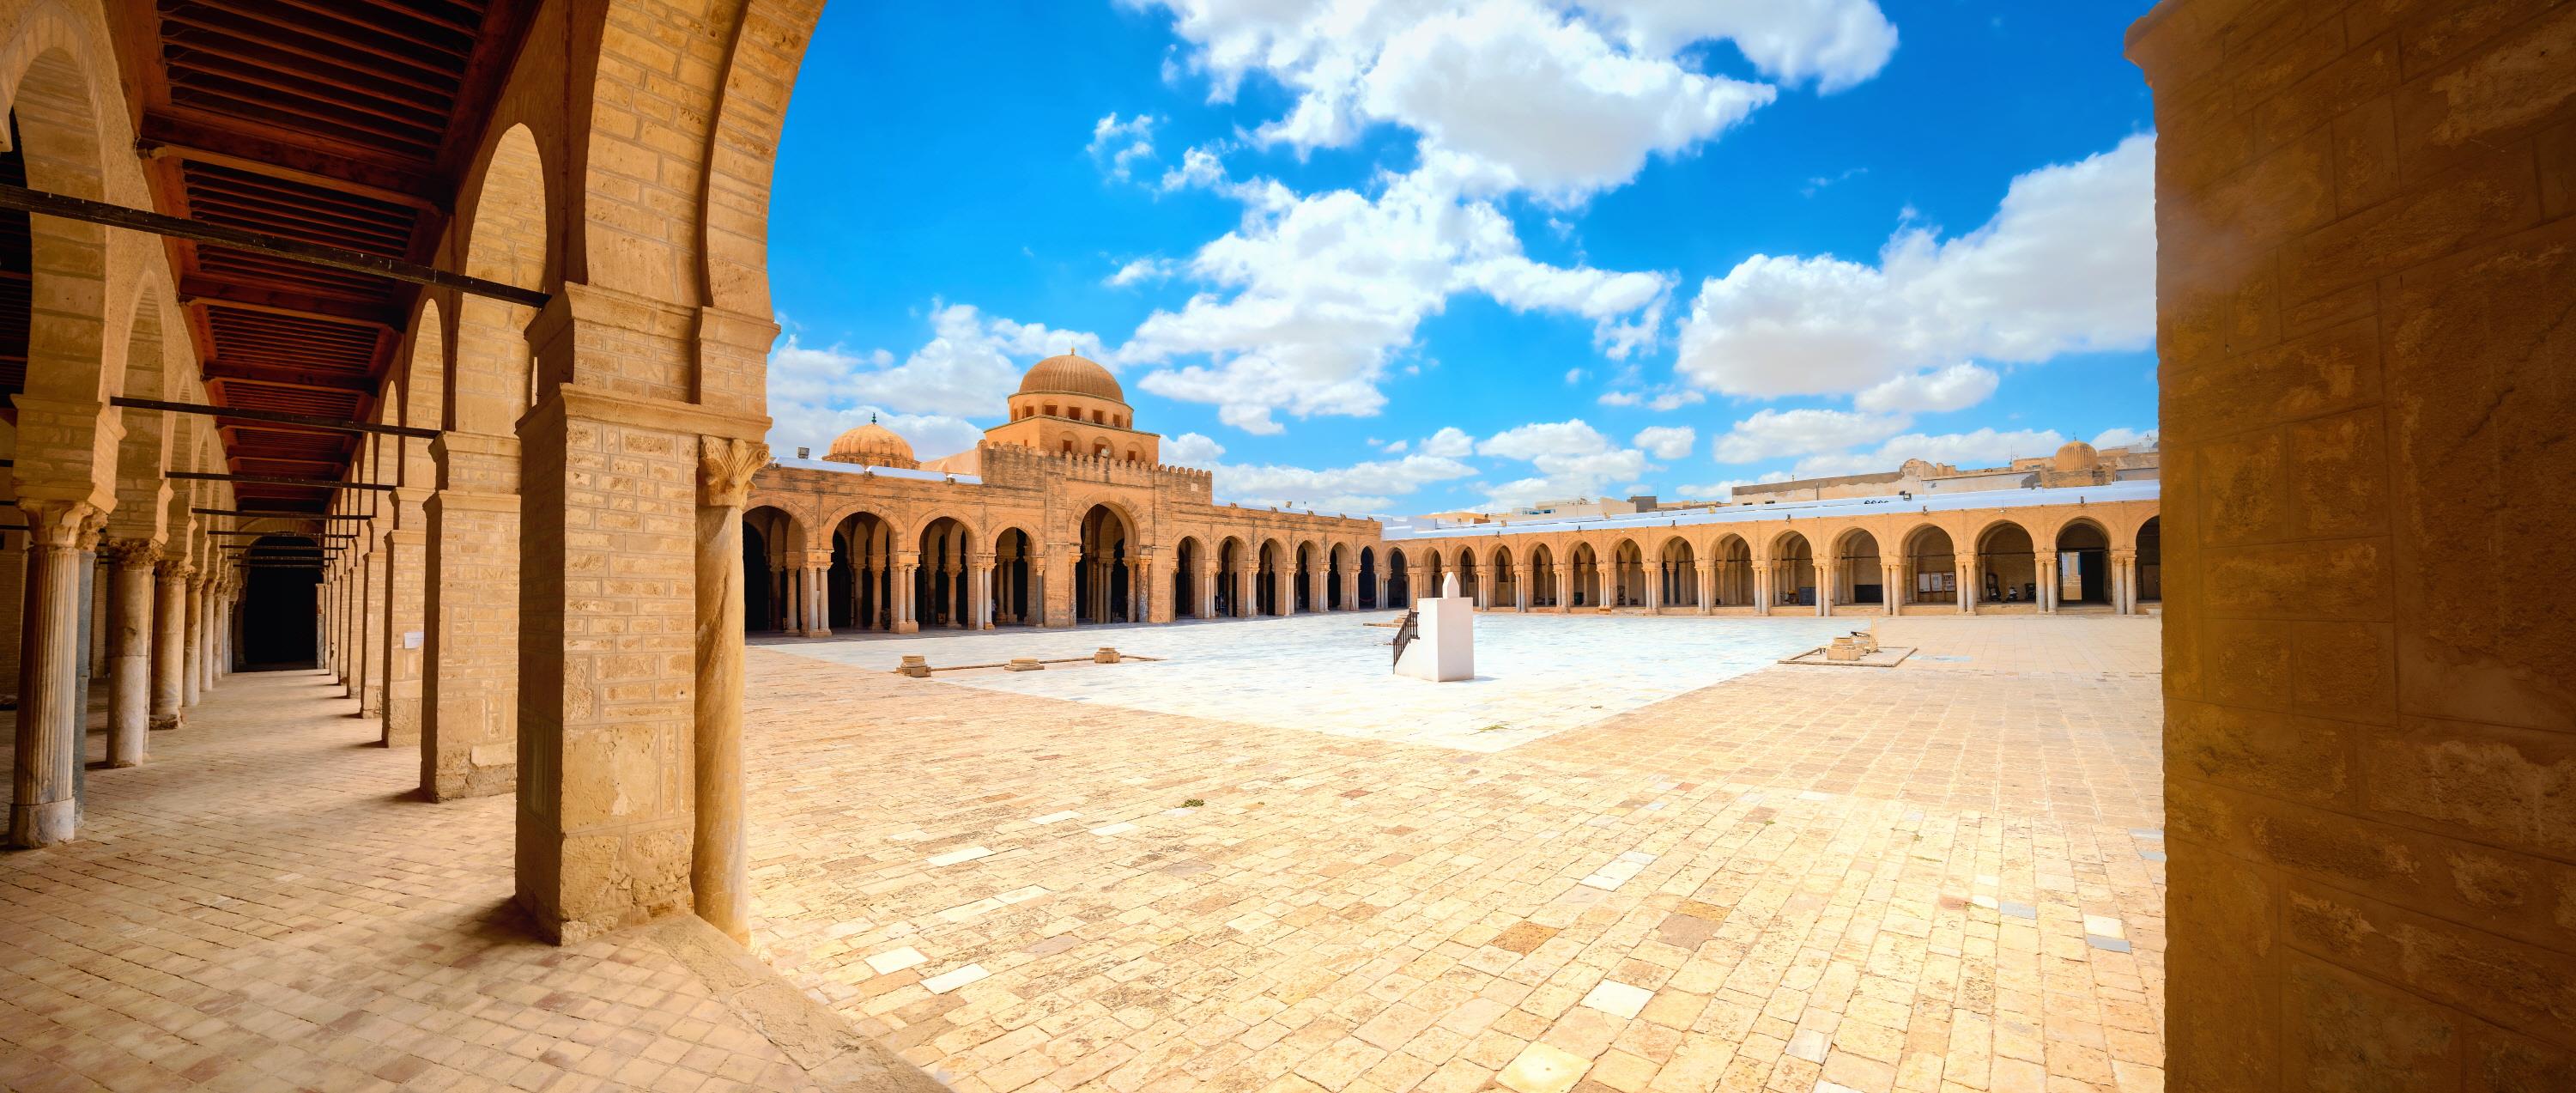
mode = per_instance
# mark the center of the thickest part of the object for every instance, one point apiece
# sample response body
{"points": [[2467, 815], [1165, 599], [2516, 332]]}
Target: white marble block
{"points": [[1445, 649]]}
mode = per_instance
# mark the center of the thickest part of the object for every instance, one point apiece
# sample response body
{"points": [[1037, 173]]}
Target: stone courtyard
{"points": [[1943, 876]]}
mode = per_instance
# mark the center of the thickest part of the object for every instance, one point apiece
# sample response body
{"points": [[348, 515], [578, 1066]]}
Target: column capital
{"points": [[130, 553], [2124, 554], [63, 524], [725, 467]]}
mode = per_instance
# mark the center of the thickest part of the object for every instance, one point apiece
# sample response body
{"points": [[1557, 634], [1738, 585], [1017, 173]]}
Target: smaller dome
{"points": [[873, 444], [1073, 375], [2077, 456]]}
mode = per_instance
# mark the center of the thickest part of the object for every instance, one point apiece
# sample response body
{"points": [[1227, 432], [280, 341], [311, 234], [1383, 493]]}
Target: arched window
{"points": [[1068, 447], [1097, 418], [1132, 456], [1100, 448], [1050, 411]]}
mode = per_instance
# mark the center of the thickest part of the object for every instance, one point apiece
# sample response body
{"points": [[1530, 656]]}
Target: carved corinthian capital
{"points": [[725, 467], [130, 553], [63, 525]]}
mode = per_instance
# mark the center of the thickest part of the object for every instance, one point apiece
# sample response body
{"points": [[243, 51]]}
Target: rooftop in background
{"points": [[1426, 527]]}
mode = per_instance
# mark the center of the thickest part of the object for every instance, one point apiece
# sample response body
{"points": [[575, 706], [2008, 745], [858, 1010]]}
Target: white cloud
{"points": [[1662, 398], [2122, 437], [2067, 264], [1316, 295], [1838, 43], [1627, 309], [1559, 97], [969, 367], [1369, 487], [1138, 272], [1200, 169], [1573, 460], [1957, 387], [1982, 448], [1771, 434], [1539, 97], [1449, 441], [1119, 145], [1575, 375], [1394, 447], [1667, 441], [1192, 450]]}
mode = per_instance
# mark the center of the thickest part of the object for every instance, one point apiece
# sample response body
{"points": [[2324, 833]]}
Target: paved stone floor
{"points": [[264, 907], [1943, 876], [1292, 673]]}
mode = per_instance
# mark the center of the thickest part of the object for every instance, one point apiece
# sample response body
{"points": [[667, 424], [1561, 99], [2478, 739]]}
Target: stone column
{"points": [[129, 650], [2043, 579], [1380, 581], [1290, 581], [192, 670], [906, 565], [2122, 559], [979, 597], [719, 864], [1967, 584], [1521, 587], [43, 808], [1655, 590], [1140, 581], [818, 580], [170, 641], [1565, 588], [371, 644], [102, 582], [1350, 589]]}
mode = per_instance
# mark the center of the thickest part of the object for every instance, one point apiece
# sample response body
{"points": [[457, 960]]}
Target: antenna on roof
{"points": [[872, 417]]}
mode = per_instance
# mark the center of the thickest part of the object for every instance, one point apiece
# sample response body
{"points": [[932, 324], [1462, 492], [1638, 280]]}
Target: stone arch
{"points": [[1793, 568], [71, 364], [1931, 573], [1545, 585], [1235, 566], [1585, 562], [859, 582], [1101, 580], [1857, 571], [2081, 547], [1676, 574], [2007, 563], [2150, 545], [143, 455], [1337, 576], [769, 533], [943, 547], [1187, 555], [1507, 578], [1019, 576], [492, 381], [1731, 571], [1399, 580]]}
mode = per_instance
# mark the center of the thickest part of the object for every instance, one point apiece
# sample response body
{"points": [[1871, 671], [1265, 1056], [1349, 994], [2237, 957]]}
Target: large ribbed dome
{"points": [[1074, 375], [872, 443]]}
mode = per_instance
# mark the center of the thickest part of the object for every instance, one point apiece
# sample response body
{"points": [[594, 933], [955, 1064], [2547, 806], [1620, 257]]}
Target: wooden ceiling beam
{"points": [[196, 289], [167, 133], [275, 376]]}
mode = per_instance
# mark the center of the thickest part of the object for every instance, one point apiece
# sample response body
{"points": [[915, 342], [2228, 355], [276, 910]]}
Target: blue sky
{"points": [[1403, 256]]}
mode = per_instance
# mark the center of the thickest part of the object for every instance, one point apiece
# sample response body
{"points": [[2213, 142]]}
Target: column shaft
{"points": [[129, 653], [43, 809]]}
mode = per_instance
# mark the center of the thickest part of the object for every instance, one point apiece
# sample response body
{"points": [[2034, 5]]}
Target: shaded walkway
{"points": [[263, 905]]}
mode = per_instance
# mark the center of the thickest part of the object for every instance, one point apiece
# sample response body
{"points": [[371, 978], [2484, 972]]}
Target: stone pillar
{"points": [[192, 670], [2366, 274], [1350, 590], [979, 596], [1290, 582], [1140, 582], [1381, 582], [818, 589], [2123, 559], [406, 564], [129, 650], [907, 566], [472, 612], [2043, 577], [371, 636], [1967, 584], [1564, 588], [102, 583], [719, 864], [46, 770], [170, 641], [1655, 590], [1521, 587]]}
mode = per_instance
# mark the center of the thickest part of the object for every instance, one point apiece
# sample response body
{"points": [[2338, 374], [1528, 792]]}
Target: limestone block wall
{"points": [[2367, 318]]}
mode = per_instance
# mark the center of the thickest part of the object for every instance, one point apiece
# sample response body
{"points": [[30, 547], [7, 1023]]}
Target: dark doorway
{"points": [[279, 608]]}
